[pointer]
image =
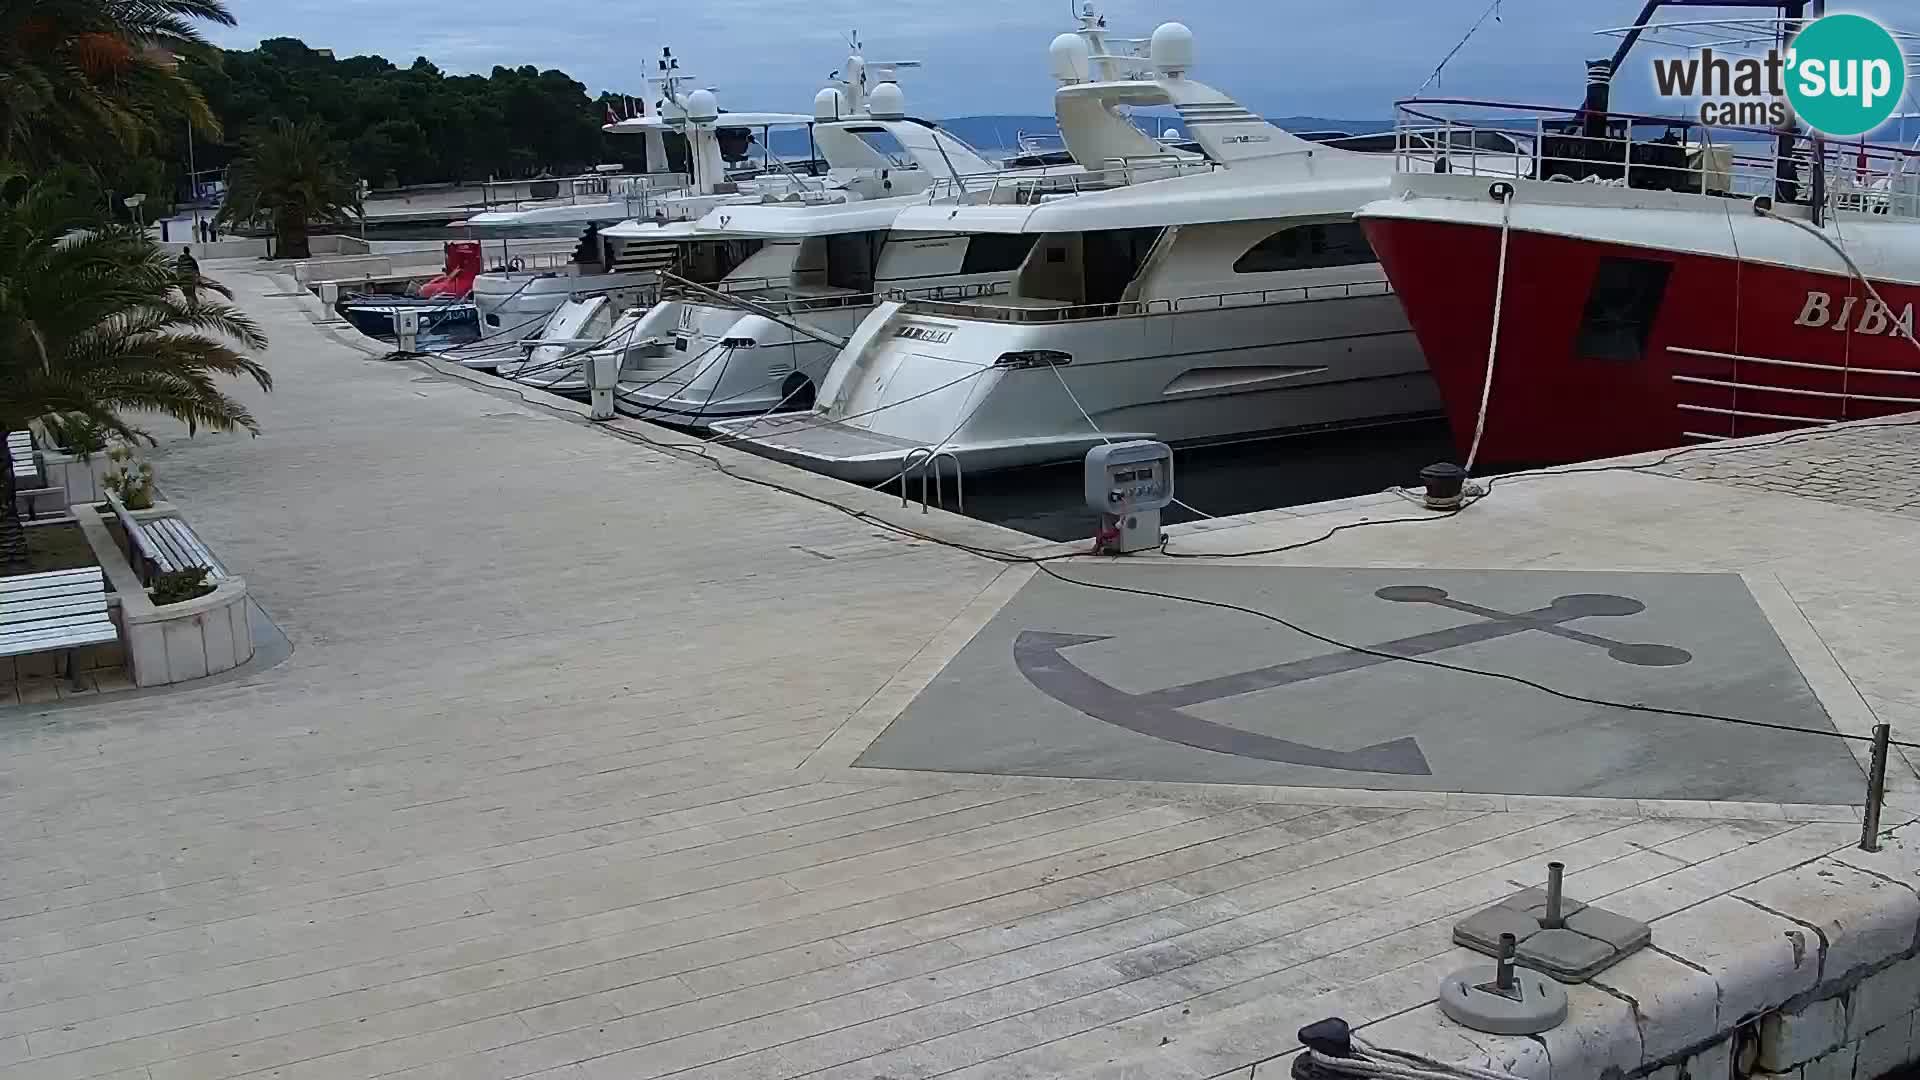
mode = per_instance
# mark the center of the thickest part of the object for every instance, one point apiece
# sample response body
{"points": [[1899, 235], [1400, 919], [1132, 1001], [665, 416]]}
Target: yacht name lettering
{"points": [[1247, 138], [1868, 317], [924, 333]]}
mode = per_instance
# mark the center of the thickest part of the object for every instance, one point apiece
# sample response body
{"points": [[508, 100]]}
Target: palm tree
{"points": [[290, 177], [94, 80], [97, 323]]}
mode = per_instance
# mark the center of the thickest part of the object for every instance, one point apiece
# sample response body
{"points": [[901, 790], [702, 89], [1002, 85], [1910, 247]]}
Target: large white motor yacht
{"points": [[514, 299], [761, 335], [1182, 298]]}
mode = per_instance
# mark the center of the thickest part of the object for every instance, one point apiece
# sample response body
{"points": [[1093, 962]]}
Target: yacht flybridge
{"points": [[1159, 293]]}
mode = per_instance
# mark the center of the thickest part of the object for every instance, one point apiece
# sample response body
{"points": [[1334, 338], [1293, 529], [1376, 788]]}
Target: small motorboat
{"points": [[444, 302]]}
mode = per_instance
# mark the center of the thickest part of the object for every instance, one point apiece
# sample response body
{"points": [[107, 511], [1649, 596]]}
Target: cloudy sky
{"points": [[1334, 58]]}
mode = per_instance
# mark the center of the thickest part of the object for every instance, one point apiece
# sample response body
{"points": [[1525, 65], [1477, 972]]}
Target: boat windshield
{"points": [[886, 144]]}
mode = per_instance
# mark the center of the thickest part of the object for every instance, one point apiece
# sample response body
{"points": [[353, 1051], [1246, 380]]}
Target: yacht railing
{"points": [[1532, 142], [582, 190], [1023, 186], [1158, 306], [780, 297]]}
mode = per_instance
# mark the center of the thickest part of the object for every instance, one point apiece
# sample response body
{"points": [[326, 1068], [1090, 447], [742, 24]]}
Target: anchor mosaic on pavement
{"points": [[1070, 681]]}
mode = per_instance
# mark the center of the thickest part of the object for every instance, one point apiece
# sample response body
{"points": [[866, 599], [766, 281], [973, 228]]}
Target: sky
{"points": [[1344, 59]]}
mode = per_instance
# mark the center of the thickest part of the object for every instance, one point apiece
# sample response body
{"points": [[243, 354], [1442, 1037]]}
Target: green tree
{"points": [[291, 177], [416, 123], [96, 322], [90, 80]]}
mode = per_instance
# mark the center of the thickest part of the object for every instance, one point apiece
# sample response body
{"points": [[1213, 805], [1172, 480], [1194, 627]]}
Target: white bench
{"points": [[167, 544], [62, 609], [20, 449], [28, 485]]}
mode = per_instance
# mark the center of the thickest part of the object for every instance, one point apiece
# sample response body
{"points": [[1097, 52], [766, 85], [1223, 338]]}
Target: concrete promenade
{"points": [[560, 782]]}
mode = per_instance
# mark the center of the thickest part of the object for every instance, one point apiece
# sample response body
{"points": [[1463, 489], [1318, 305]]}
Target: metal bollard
{"points": [[1503, 971], [1876, 790], [1553, 920]]}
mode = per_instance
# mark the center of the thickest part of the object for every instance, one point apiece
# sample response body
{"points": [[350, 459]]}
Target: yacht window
{"points": [[1307, 247], [707, 261], [883, 142], [851, 258], [1621, 308], [995, 253], [1110, 258]]}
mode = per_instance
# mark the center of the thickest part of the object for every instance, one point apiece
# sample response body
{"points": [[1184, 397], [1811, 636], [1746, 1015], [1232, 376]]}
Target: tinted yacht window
{"points": [[1307, 247], [995, 253]]}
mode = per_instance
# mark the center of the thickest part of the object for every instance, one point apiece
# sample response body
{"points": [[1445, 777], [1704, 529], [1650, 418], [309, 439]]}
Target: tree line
{"points": [[408, 125]]}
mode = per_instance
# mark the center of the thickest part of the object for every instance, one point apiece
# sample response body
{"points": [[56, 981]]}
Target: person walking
{"points": [[189, 269]]}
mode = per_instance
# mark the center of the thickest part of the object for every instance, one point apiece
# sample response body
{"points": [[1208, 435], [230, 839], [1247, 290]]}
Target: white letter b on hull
{"points": [[1816, 312]]}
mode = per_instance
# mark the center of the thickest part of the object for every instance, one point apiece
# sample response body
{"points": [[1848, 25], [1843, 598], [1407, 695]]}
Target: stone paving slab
{"points": [[555, 783], [1067, 681]]}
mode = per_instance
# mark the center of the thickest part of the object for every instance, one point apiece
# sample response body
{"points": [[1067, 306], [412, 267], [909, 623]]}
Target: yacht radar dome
{"points": [[1172, 50], [887, 102], [829, 104], [1069, 57], [702, 107]]}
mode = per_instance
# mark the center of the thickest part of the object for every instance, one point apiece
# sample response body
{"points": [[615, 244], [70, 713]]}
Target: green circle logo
{"points": [[1845, 75]]}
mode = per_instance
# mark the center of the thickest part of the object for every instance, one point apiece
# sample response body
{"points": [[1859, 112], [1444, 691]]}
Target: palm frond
{"points": [[99, 323]]}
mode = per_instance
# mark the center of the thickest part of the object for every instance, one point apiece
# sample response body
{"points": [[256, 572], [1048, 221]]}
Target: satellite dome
{"points": [[702, 107], [1172, 50], [1069, 58], [887, 102], [829, 104]]}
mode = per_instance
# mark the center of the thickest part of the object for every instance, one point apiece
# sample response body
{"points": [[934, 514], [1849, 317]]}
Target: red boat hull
{"points": [[1728, 348]]}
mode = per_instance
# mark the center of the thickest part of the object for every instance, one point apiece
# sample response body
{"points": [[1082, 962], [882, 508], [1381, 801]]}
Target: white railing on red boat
{"points": [[1534, 142]]}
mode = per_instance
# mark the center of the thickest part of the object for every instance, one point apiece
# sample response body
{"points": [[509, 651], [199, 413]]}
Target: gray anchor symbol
{"points": [[1158, 713]]}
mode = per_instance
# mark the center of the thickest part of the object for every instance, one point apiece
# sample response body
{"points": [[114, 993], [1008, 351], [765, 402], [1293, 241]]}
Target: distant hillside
{"points": [[1002, 132]]}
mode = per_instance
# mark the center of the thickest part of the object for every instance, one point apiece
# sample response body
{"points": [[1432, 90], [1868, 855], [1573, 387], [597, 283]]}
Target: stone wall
{"points": [[1811, 973]]}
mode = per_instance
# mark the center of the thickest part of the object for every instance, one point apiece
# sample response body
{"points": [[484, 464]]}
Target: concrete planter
{"points": [[79, 476], [190, 640]]}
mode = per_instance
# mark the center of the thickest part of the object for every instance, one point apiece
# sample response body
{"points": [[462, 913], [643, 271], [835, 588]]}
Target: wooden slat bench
{"points": [[60, 610], [166, 544], [20, 448], [29, 486]]}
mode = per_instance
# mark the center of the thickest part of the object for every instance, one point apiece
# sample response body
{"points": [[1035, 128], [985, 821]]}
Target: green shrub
{"points": [[76, 434], [132, 483], [179, 586]]}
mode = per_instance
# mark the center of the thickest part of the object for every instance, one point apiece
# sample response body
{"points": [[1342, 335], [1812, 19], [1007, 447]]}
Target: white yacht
{"points": [[1172, 296], [761, 335], [516, 297]]}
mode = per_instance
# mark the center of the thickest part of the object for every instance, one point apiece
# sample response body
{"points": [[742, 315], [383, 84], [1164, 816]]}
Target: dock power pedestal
{"points": [[406, 329], [1128, 484]]}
